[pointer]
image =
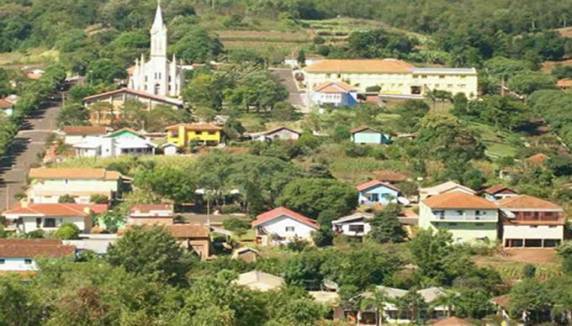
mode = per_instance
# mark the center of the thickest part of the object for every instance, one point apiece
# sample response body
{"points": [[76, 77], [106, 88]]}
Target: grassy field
{"points": [[497, 144], [30, 57]]}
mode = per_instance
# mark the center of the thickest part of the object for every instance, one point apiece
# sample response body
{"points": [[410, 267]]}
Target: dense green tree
{"points": [[151, 252], [311, 196], [168, 181], [73, 114], [528, 83], [104, 71], [385, 226]]}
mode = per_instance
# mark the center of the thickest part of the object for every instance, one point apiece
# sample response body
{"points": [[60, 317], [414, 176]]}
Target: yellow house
{"points": [[183, 134]]}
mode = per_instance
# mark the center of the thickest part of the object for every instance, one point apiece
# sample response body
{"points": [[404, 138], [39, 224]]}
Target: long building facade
{"points": [[393, 77]]}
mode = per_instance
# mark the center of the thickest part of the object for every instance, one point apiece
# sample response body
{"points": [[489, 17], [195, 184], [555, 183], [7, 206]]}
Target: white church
{"points": [[158, 76]]}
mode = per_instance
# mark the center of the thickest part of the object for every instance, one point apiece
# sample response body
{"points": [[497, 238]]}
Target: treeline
{"points": [[32, 95]]}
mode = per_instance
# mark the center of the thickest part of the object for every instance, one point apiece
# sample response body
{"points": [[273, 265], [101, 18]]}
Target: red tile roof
{"points": [[527, 202], [34, 248], [375, 183], [5, 104], [59, 210], [564, 83], [362, 128], [283, 211], [460, 200], [136, 93], [84, 130], [537, 159], [493, 190], [334, 87]]}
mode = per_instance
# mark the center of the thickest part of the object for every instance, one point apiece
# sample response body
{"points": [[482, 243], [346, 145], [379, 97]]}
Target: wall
{"points": [[29, 223], [17, 264], [401, 83], [278, 226], [462, 231], [346, 228], [530, 232], [368, 138], [73, 140], [40, 191], [386, 195], [284, 134]]}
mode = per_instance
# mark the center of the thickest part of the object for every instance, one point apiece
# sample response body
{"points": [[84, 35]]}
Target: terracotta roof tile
{"points": [[375, 183], [283, 211], [460, 200], [31, 249], [134, 92], [73, 173], [195, 127], [564, 83], [59, 210], [390, 176], [537, 159], [527, 202], [360, 66], [84, 130], [188, 231], [5, 104], [334, 87], [497, 188]]}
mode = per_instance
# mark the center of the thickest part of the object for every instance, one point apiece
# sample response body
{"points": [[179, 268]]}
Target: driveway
{"points": [[296, 98], [28, 144]]}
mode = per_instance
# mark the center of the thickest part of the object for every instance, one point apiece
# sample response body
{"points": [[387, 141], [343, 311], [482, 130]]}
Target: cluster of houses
{"points": [[496, 214]]}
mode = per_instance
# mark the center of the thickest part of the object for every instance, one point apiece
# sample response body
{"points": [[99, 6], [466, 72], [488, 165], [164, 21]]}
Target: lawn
{"points": [[496, 142]]}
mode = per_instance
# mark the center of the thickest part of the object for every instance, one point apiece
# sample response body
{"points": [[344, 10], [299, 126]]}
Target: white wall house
{"points": [[121, 142], [393, 77], [531, 222], [49, 217], [281, 133], [281, 225], [467, 217], [49, 184], [19, 255], [355, 225]]}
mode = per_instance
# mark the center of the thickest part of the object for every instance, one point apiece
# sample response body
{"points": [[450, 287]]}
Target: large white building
{"points": [[158, 76], [394, 77]]}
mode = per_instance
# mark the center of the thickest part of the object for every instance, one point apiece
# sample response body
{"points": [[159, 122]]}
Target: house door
{"points": [[157, 88]]}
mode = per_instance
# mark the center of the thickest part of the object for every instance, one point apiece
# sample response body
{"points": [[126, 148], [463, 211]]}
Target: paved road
{"points": [[23, 153], [296, 98]]}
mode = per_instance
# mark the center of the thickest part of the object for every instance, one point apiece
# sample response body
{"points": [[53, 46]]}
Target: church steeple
{"points": [[159, 34]]}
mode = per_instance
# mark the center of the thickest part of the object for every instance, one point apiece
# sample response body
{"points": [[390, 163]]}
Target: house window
{"points": [[2, 261], [460, 213], [27, 261], [356, 228], [289, 229], [50, 223], [374, 197], [440, 214], [212, 133], [38, 222], [441, 76]]}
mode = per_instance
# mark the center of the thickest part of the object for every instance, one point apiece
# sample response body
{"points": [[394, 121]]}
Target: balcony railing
{"points": [[465, 218]]}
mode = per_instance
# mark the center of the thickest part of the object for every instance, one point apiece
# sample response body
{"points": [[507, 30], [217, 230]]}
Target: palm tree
{"points": [[375, 299]]}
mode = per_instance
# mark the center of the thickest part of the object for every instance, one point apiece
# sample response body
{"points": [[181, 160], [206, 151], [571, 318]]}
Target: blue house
{"points": [[377, 192], [335, 94], [367, 135]]}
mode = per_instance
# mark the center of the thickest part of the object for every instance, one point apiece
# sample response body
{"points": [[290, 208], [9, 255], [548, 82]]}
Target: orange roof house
{"points": [[74, 173], [389, 176], [537, 159], [84, 130], [334, 87], [192, 236], [19, 255], [461, 200]]}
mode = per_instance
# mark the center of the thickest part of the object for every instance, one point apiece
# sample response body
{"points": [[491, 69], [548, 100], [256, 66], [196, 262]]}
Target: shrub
{"points": [[67, 231], [99, 199], [235, 224], [36, 234], [66, 199]]}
